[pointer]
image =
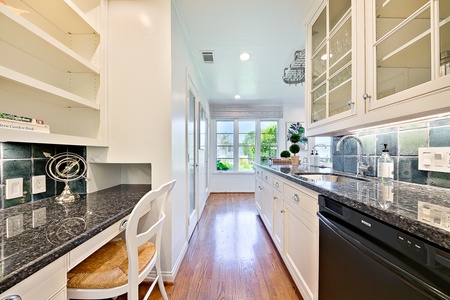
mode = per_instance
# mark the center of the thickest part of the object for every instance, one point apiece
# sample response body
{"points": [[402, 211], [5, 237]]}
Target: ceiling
{"points": [[270, 30]]}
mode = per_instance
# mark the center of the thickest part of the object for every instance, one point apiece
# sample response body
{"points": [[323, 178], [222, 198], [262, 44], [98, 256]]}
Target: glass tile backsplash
{"points": [[24, 160], [403, 143]]}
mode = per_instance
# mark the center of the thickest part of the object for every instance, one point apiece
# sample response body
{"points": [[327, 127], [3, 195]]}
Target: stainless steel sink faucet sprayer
{"points": [[361, 166]]}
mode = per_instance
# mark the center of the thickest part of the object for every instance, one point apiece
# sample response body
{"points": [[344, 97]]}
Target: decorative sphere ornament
{"points": [[66, 167]]}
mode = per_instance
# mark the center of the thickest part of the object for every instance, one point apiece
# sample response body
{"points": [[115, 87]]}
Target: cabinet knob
{"points": [[260, 187], [282, 211], [275, 197], [266, 177], [366, 96], [276, 184], [295, 198], [12, 297], [123, 224], [350, 103]]}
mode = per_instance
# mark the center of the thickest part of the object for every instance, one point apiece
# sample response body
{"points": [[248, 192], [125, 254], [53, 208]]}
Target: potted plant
{"points": [[297, 128], [285, 154], [294, 148]]}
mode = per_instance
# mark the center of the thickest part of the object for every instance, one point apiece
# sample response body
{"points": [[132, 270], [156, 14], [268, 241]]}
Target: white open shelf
{"points": [[30, 87], [21, 34]]}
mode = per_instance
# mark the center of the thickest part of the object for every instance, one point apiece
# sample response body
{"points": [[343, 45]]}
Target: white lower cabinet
{"points": [[301, 246], [288, 211], [267, 206], [47, 283]]}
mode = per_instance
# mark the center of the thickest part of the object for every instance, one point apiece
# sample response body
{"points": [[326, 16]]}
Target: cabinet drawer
{"points": [[267, 177], [258, 172], [43, 284], [299, 198], [277, 184], [81, 252]]}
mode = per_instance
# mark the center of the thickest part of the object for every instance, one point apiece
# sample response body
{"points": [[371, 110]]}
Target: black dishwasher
{"points": [[363, 258]]}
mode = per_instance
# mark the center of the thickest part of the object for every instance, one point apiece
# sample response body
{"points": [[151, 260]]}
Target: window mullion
{"points": [[258, 141], [236, 145]]}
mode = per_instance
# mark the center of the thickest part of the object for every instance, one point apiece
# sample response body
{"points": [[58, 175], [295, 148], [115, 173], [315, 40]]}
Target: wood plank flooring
{"points": [[231, 256]]}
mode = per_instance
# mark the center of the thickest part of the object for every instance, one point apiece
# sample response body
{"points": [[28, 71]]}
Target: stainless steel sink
{"points": [[330, 178]]}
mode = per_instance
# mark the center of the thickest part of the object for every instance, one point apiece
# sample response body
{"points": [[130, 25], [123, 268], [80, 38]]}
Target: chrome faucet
{"points": [[361, 166], [319, 145]]}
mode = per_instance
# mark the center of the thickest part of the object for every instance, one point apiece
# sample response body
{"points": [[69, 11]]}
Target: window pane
{"points": [[225, 146], [268, 140], [247, 144]]}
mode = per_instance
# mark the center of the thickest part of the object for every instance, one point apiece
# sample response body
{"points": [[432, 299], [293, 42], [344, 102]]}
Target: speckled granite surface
{"points": [[418, 209], [64, 227]]}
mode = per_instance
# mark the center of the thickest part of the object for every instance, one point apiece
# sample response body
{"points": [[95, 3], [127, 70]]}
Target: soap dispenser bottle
{"points": [[316, 159], [385, 169], [311, 158]]}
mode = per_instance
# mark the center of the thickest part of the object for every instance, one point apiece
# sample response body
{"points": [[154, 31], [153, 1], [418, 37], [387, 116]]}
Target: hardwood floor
{"points": [[231, 256]]}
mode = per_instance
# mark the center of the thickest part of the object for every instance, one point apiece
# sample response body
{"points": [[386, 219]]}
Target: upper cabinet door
{"points": [[405, 43], [331, 85]]}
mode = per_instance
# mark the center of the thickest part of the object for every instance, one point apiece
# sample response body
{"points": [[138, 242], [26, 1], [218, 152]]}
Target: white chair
{"points": [[121, 265]]}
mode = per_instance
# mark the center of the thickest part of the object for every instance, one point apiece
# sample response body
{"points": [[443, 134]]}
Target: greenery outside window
{"points": [[241, 142]]}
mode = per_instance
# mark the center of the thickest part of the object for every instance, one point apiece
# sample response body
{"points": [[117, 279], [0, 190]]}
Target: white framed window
{"points": [[240, 142]]}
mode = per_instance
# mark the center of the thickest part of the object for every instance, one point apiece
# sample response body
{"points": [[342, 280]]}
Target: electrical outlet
{"points": [[39, 217], [14, 188], [14, 225], [38, 184]]}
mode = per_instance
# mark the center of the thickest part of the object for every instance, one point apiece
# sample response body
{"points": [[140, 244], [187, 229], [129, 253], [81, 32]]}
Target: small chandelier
{"points": [[295, 74]]}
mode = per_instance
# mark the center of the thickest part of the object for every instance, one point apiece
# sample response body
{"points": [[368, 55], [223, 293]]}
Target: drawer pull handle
{"points": [[12, 297], [276, 184], [275, 197], [260, 188], [295, 198], [123, 224]]}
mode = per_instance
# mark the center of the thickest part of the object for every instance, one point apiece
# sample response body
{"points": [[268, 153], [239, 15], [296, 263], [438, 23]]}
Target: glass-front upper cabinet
{"points": [[409, 45], [330, 87]]}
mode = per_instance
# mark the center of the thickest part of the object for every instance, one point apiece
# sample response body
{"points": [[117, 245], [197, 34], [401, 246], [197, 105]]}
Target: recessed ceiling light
{"points": [[237, 97], [244, 56]]}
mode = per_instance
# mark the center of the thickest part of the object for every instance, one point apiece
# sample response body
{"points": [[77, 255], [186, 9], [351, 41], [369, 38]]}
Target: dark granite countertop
{"points": [[421, 210], [64, 227]]}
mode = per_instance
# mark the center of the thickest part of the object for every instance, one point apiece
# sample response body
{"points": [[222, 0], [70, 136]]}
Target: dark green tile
{"points": [[39, 166], [410, 141], [17, 169], [440, 137], [39, 149], [439, 179], [16, 150], [409, 172]]}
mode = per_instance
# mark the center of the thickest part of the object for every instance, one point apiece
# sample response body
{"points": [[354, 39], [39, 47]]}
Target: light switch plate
{"points": [[14, 188], [434, 159]]}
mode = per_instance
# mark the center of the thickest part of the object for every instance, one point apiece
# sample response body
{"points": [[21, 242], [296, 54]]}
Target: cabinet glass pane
{"points": [[318, 107], [404, 57], [340, 91], [319, 31], [319, 65], [340, 47], [444, 35], [338, 8], [393, 12]]}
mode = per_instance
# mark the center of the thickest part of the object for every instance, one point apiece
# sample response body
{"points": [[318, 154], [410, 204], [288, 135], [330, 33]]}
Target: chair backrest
{"points": [[134, 238]]}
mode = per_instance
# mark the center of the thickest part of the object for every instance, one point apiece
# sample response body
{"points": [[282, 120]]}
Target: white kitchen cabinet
{"points": [[258, 189], [289, 215], [394, 61], [301, 238], [331, 89], [50, 69], [47, 283], [267, 202]]}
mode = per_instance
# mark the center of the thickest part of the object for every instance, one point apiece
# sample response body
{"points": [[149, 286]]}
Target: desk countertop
{"points": [[59, 228]]}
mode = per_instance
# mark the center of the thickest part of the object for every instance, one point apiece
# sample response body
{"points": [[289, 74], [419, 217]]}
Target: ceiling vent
{"points": [[208, 57]]}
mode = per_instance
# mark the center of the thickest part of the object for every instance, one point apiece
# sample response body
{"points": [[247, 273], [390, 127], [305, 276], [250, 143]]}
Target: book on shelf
{"points": [[12, 117], [24, 126]]}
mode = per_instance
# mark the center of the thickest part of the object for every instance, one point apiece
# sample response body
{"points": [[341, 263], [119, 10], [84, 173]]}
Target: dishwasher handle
{"points": [[419, 284]]}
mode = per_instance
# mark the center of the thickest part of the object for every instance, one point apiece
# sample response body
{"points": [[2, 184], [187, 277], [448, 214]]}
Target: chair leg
{"points": [[162, 289]]}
